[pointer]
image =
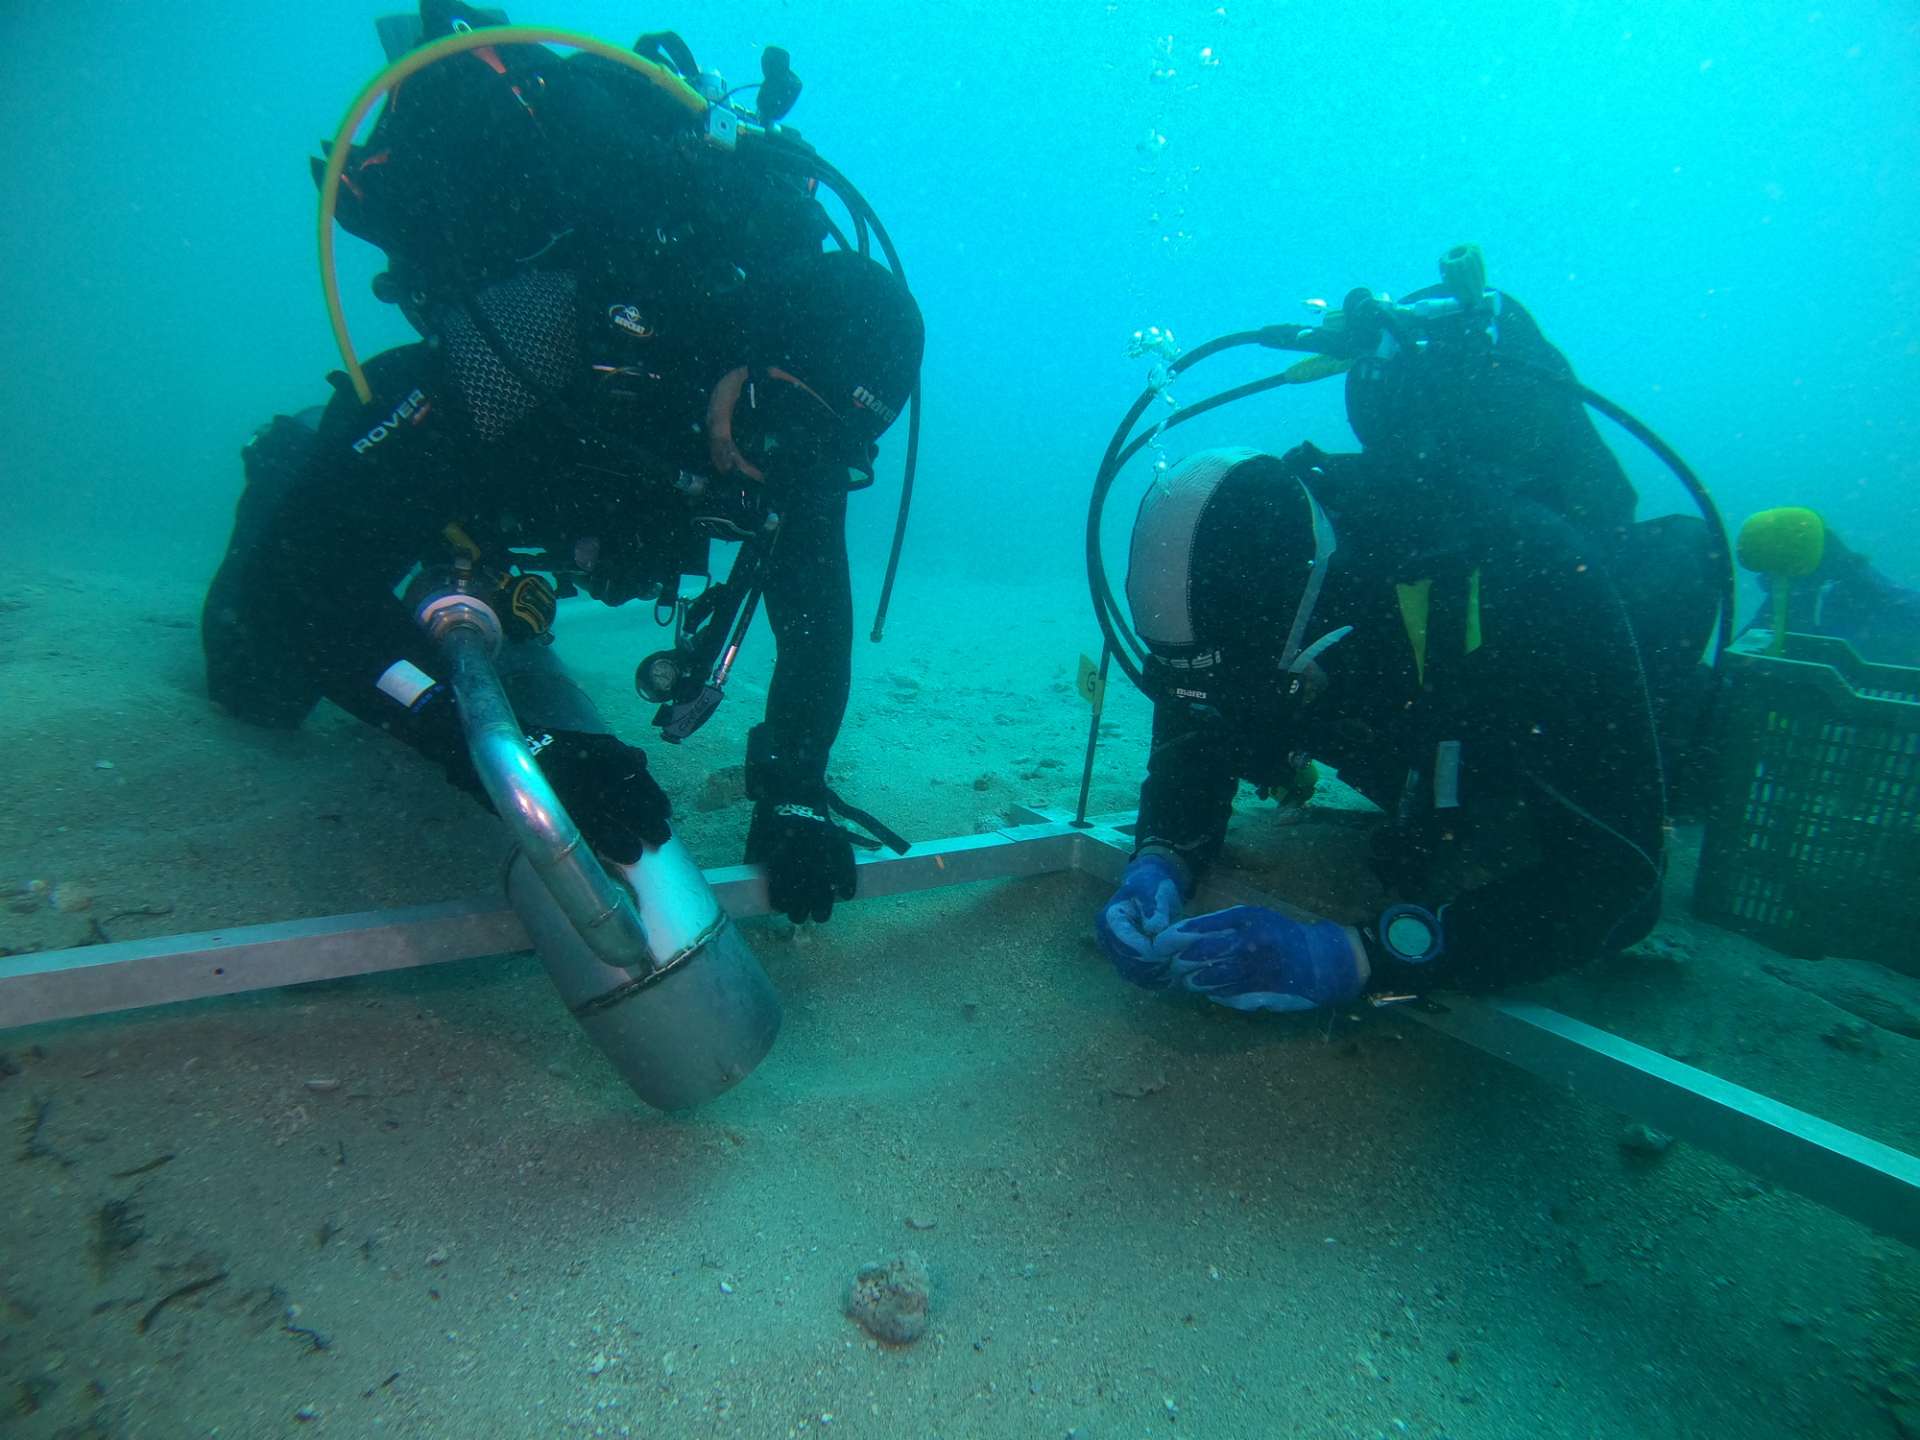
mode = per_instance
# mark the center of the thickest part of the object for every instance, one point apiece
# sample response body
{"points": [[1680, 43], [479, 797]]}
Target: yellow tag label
{"points": [[1092, 688], [1414, 610]]}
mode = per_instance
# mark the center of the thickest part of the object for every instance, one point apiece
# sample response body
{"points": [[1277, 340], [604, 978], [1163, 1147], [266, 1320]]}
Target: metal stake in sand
{"points": [[1093, 689]]}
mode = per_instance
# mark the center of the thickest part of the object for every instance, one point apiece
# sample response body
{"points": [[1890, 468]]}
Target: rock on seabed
{"points": [[889, 1301]]}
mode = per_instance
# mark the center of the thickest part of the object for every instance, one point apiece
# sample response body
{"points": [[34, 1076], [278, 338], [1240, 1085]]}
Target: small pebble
{"points": [[306, 1413], [916, 1222], [322, 1084], [596, 1365], [1641, 1138], [70, 899], [103, 764], [436, 1257]]}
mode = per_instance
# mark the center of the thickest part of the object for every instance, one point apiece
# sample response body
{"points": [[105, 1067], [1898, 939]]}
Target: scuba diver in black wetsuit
{"points": [[1464, 619], [635, 342]]}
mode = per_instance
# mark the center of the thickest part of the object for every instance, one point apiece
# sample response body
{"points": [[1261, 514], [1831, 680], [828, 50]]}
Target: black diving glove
{"points": [[606, 788], [808, 858], [527, 606]]}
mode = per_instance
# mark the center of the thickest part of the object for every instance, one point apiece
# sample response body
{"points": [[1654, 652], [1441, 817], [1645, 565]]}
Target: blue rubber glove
{"points": [[1147, 902], [1251, 958]]}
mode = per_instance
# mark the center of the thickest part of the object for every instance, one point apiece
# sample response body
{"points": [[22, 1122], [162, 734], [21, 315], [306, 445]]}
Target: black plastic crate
{"points": [[1813, 833]]}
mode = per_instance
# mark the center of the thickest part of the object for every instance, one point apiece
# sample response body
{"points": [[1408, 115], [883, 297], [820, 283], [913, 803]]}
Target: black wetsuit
{"points": [[304, 605], [1542, 700]]}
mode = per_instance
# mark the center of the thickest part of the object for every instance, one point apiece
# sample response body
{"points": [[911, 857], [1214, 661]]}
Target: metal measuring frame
{"points": [[1870, 1182]]}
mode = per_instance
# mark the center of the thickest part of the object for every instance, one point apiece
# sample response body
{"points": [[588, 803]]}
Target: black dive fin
{"points": [[398, 34], [401, 33], [664, 47]]}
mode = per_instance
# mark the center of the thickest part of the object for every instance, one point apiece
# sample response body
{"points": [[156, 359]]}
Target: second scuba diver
{"points": [[1466, 622], [1818, 585], [634, 343]]}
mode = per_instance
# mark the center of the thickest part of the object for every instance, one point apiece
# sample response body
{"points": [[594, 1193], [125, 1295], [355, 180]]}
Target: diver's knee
{"points": [[252, 681]]}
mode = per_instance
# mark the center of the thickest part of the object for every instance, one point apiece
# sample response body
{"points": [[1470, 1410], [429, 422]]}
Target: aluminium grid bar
{"points": [[1861, 1178], [1870, 1182], [134, 974], [1873, 1183]]}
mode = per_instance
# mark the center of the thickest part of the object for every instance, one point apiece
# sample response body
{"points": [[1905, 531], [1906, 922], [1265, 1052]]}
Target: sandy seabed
{"points": [[422, 1205]]}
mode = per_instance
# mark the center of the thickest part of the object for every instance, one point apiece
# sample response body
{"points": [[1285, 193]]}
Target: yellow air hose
{"points": [[411, 63]]}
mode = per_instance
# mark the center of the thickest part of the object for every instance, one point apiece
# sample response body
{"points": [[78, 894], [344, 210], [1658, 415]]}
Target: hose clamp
{"points": [[445, 610]]}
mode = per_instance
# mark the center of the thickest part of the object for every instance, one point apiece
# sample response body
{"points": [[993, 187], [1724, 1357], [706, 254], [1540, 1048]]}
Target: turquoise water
{"points": [[1712, 210], [1138, 1218]]}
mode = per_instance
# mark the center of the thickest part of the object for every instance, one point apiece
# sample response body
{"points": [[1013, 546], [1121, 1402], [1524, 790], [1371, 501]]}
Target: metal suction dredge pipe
{"points": [[658, 976], [599, 910]]}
